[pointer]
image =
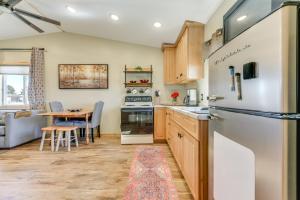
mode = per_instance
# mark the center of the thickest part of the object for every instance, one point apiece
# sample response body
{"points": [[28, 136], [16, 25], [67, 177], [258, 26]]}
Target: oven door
{"points": [[136, 121]]}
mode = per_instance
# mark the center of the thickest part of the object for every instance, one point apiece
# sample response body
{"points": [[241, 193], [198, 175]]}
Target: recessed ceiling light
{"points": [[72, 10], [157, 25], [114, 17], [241, 18]]}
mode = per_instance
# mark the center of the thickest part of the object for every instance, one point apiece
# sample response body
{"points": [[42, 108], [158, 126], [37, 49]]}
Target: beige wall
{"points": [[72, 48], [214, 23]]}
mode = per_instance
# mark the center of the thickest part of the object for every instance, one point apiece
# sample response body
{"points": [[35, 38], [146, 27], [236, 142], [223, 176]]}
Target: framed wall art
{"points": [[83, 76]]}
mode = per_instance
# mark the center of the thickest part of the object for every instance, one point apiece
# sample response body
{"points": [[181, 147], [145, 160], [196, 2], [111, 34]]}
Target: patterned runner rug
{"points": [[150, 177]]}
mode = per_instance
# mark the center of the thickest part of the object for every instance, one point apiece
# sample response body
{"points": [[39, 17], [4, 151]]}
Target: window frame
{"points": [[16, 106]]}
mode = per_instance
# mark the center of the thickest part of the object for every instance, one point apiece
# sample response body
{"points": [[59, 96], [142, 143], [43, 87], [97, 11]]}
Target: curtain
{"points": [[36, 88]]}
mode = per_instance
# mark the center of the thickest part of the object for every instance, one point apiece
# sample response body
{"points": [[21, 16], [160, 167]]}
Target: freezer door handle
{"points": [[214, 116], [214, 98]]}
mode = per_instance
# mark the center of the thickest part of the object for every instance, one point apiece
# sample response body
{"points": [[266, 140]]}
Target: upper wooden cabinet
{"points": [[169, 65], [183, 61], [182, 58]]}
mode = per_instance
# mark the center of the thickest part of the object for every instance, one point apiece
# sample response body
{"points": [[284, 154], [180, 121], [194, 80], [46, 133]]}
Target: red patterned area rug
{"points": [[150, 177]]}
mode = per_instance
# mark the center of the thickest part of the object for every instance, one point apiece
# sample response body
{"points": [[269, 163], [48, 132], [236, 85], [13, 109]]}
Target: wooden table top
{"points": [[67, 113]]}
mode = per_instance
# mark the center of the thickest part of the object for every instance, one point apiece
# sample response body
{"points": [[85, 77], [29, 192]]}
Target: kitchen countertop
{"points": [[189, 111]]}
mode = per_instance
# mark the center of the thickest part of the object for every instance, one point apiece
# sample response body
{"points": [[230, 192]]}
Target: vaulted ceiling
{"points": [[92, 17]]}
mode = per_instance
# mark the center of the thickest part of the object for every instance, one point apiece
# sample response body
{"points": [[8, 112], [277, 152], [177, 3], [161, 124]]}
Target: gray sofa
{"points": [[15, 131]]}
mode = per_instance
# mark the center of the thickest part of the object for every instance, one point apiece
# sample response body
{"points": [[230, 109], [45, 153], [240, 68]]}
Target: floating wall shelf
{"points": [[142, 70]]}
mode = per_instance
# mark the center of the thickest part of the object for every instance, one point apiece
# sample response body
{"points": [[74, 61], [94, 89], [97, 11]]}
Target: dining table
{"points": [[84, 113]]}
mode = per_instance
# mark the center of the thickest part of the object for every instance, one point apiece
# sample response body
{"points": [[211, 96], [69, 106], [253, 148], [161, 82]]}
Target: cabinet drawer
{"points": [[189, 124]]}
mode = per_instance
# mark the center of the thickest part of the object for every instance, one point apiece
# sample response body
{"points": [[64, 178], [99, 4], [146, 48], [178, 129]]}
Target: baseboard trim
{"points": [[160, 141]]}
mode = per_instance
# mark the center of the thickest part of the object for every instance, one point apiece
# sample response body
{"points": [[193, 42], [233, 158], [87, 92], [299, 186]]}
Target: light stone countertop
{"points": [[189, 111]]}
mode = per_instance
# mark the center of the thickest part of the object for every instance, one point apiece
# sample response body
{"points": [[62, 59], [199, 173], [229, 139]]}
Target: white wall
{"points": [[66, 48]]}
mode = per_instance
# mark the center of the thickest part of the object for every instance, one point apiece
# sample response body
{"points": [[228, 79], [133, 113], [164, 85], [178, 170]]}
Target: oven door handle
{"points": [[136, 110]]}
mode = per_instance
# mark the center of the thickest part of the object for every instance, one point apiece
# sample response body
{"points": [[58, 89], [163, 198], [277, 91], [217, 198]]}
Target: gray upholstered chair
{"points": [[56, 106], [95, 120]]}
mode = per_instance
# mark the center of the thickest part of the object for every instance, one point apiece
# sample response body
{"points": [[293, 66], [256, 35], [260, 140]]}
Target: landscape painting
{"points": [[83, 76]]}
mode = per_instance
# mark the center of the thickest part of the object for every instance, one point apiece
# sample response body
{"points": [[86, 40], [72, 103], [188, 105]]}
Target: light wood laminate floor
{"points": [[96, 171]]}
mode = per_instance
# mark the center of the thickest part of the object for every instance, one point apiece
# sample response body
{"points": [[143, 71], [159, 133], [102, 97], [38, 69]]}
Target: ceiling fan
{"points": [[9, 5]]}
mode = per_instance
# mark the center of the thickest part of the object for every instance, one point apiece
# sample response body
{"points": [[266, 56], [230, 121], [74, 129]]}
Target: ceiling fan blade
{"points": [[12, 3], [29, 14], [28, 22]]}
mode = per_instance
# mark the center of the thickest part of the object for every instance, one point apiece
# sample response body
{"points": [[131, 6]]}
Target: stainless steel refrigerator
{"points": [[254, 106]]}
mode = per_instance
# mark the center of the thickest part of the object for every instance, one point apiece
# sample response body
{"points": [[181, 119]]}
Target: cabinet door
{"points": [[195, 69], [191, 163], [169, 65], [159, 123], [168, 125], [184, 57], [179, 151], [173, 137], [176, 143], [178, 61]]}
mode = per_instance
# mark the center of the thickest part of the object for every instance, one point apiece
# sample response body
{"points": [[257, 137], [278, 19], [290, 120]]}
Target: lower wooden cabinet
{"points": [[190, 151], [174, 139], [160, 123], [191, 162], [188, 141], [178, 145], [169, 117]]}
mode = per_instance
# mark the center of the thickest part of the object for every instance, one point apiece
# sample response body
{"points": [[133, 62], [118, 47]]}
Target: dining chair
{"points": [[95, 120], [57, 106]]}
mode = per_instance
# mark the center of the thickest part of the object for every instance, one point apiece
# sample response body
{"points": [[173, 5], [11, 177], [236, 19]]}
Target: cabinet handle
{"points": [[177, 77], [181, 75]]}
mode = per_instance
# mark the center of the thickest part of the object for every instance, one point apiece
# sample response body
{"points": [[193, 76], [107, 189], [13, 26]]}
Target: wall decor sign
{"points": [[83, 76], [232, 53]]}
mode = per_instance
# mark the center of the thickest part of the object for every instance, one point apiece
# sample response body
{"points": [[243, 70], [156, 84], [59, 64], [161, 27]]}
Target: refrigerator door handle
{"points": [[214, 116], [214, 98]]}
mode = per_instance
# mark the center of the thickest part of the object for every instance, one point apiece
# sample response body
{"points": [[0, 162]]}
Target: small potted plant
{"points": [[174, 96], [138, 68]]}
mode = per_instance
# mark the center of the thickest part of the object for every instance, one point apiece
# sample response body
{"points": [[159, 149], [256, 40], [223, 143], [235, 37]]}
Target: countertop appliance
{"points": [[137, 125], [191, 98], [255, 122]]}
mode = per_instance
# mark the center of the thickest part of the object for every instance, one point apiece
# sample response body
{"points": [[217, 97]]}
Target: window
{"points": [[14, 86]]}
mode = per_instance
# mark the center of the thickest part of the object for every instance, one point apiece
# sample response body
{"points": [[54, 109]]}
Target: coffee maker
{"points": [[191, 99]]}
